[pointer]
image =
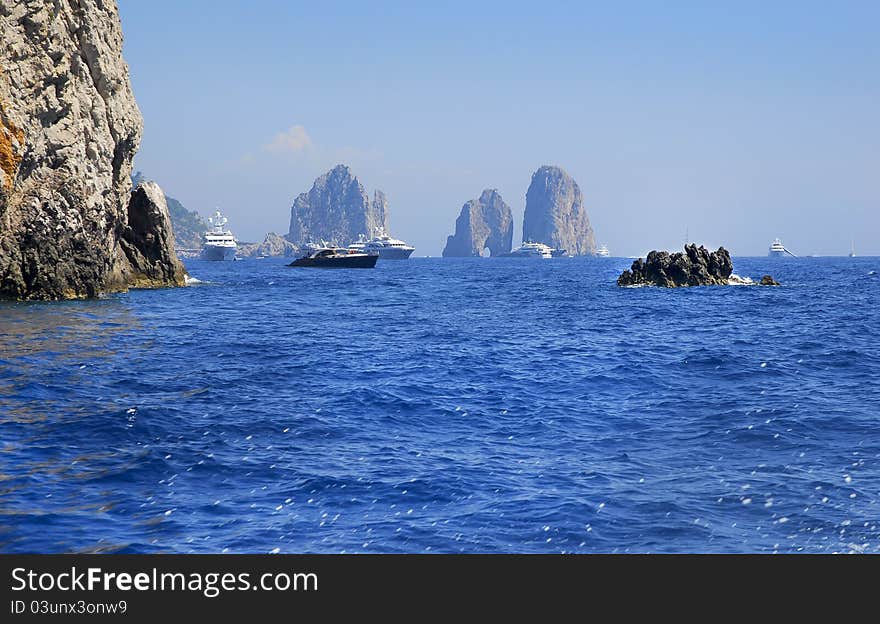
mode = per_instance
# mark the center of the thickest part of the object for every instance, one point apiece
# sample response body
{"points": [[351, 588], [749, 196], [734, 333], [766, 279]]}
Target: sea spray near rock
{"points": [[69, 128]]}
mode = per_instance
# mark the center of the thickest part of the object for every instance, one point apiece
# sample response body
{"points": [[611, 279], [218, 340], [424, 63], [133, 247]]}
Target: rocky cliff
{"points": [[273, 245], [484, 222], [69, 127], [555, 213], [147, 240], [188, 225], [697, 266], [337, 209]]}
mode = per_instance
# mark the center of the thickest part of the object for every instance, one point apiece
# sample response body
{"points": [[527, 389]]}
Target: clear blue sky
{"points": [[741, 121]]}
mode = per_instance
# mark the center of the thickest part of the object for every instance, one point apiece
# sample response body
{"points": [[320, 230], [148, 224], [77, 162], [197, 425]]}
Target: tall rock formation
{"points": [[484, 222], [555, 213], [189, 226], [336, 209], [147, 240], [69, 126]]}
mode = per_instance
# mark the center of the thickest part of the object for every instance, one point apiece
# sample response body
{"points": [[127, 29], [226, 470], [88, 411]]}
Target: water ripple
{"points": [[446, 406]]}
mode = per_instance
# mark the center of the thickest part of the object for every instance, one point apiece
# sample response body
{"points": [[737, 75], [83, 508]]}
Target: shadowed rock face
{"points": [[147, 240], [555, 213], [337, 209], [695, 267], [69, 127], [484, 222]]}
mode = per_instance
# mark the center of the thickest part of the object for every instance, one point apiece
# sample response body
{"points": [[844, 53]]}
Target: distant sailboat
{"points": [[852, 250]]}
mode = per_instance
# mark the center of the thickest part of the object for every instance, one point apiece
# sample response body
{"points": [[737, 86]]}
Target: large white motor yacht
{"points": [[603, 252], [218, 243], [359, 245], [531, 250], [778, 250], [387, 248]]}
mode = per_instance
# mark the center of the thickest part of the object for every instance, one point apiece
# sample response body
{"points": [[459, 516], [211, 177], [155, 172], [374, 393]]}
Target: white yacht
{"points": [[531, 250], [388, 248], [218, 243], [603, 252], [778, 250], [359, 245], [311, 247]]}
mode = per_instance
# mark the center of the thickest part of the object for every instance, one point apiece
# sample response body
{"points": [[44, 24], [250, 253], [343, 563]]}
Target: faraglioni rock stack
{"points": [[70, 226], [697, 266], [555, 214], [486, 222], [337, 209]]}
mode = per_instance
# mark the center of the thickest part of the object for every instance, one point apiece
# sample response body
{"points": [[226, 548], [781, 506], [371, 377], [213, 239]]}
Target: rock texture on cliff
{"points": [[188, 225], [69, 127], [697, 266], [337, 209], [484, 222], [147, 240], [555, 213], [274, 245]]}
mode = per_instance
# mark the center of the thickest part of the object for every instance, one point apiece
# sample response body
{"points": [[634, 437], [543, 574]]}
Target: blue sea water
{"points": [[435, 405]]}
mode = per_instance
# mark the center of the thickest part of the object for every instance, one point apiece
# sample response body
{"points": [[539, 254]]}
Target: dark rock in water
{"points": [[555, 214], [697, 266], [767, 280], [189, 227], [69, 128], [337, 209], [486, 222], [147, 240]]}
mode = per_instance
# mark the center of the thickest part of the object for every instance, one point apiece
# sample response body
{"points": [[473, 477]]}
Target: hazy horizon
{"points": [[737, 124]]}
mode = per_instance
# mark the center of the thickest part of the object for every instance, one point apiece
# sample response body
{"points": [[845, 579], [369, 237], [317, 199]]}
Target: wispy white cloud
{"points": [[294, 139]]}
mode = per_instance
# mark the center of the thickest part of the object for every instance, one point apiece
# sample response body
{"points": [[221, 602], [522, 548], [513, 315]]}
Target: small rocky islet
{"points": [[696, 266]]}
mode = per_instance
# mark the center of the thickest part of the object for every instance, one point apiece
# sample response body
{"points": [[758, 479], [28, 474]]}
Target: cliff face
{"points": [[147, 240], [69, 127], [483, 222], [188, 225], [336, 209], [555, 213]]}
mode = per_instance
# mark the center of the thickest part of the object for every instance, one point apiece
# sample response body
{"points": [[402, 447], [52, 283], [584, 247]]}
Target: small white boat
{"points": [[603, 252]]}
